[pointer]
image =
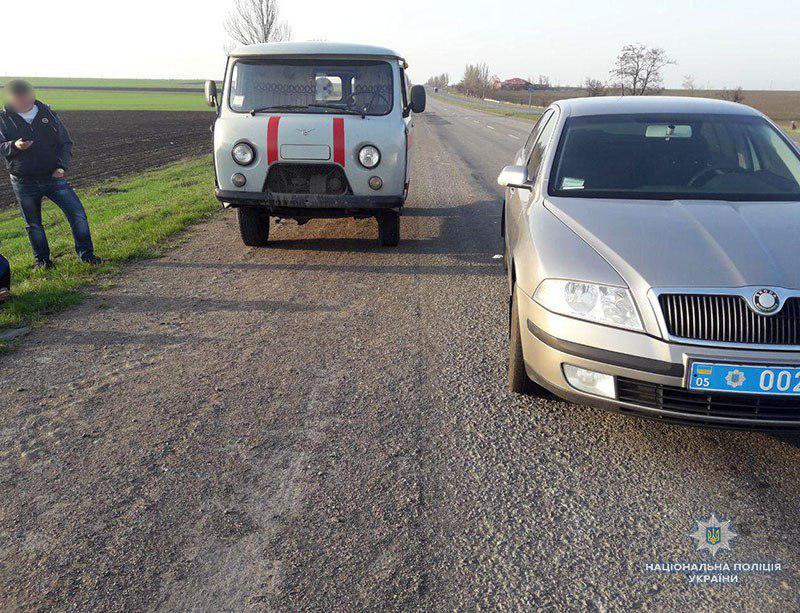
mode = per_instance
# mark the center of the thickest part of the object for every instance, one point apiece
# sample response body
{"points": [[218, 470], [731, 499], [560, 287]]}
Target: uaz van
{"points": [[309, 130]]}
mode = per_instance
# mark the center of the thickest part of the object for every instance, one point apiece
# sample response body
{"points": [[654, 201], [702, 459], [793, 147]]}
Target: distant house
{"points": [[516, 84]]}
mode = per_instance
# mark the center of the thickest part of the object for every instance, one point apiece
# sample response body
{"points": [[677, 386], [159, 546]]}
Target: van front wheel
{"points": [[389, 229], [253, 226]]}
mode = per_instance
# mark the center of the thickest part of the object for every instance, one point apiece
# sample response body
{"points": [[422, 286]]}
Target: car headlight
{"points": [[369, 156], [603, 304], [243, 154]]}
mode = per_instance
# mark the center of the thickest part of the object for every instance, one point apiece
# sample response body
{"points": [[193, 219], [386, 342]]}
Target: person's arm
{"points": [[8, 148], [64, 145]]}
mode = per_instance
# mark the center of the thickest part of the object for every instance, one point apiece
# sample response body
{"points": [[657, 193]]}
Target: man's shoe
{"points": [[43, 265], [94, 260], [5, 295]]}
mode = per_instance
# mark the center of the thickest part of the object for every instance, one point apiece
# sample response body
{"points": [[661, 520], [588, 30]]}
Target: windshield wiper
{"points": [[303, 107], [279, 107]]}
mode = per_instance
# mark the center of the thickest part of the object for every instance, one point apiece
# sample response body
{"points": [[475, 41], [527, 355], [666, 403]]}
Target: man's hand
{"points": [[58, 173], [23, 145]]}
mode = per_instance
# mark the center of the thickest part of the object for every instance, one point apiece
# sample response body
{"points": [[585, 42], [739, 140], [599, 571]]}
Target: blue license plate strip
{"points": [[744, 379]]}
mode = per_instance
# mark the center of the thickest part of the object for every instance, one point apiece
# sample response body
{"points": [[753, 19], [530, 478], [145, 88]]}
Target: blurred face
{"points": [[21, 103]]}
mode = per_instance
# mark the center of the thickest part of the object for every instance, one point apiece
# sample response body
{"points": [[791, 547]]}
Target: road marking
{"points": [[515, 137], [490, 127]]}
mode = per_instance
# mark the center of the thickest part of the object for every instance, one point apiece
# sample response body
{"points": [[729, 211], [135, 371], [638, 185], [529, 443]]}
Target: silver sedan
{"points": [[653, 255]]}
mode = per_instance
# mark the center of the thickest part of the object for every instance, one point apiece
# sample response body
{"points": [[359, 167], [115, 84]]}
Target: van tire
{"points": [[253, 226], [389, 229]]}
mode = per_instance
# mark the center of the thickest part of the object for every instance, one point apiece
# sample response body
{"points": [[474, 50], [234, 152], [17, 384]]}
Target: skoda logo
{"points": [[766, 301]]}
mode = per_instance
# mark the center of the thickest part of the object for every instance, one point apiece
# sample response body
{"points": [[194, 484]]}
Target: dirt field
{"points": [[114, 143]]}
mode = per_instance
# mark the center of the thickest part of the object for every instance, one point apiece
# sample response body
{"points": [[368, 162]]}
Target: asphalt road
{"points": [[324, 424]]}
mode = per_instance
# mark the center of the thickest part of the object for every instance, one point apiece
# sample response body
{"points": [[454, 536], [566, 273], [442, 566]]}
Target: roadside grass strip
{"points": [[511, 112], [131, 219]]}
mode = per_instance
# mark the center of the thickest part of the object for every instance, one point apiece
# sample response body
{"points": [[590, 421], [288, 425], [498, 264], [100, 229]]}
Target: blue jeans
{"points": [[5, 273], [30, 192]]}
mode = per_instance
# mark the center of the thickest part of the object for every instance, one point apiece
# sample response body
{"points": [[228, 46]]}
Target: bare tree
{"points": [[544, 81], [256, 21], [594, 87], [476, 80], [732, 95], [442, 80], [638, 69], [688, 82]]}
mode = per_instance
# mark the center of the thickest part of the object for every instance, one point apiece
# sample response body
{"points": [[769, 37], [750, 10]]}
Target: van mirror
{"points": [[418, 99], [211, 93], [513, 176]]}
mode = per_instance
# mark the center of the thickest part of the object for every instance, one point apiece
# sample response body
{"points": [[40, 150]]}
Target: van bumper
{"points": [[310, 203]]}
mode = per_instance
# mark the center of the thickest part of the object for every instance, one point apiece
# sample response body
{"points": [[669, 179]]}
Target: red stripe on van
{"points": [[272, 140], [338, 141]]}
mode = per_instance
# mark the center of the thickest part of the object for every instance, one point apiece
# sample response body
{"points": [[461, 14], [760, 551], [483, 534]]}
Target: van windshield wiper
{"points": [[303, 107], [279, 107]]}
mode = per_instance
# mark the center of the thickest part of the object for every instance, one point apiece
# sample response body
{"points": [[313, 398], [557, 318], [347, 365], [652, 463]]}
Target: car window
{"points": [[539, 148], [665, 157], [535, 132]]}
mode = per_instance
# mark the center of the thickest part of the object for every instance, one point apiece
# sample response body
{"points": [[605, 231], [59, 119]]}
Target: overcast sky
{"points": [[730, 43]]}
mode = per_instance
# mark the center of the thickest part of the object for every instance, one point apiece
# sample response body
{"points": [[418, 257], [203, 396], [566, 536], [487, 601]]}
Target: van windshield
{"points": [[312, 86], [660, 156]]}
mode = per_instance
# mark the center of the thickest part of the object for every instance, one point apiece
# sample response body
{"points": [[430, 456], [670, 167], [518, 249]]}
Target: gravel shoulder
{"points": [[323, 424]]}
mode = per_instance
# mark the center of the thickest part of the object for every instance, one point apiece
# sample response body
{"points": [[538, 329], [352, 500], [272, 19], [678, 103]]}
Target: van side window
{"points": [[539, 148], [535, 132]]}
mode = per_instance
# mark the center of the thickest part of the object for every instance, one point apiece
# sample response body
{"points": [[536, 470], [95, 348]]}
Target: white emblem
{"points": [[45, 120], [766, 300], [713, 535], [735, 378]]}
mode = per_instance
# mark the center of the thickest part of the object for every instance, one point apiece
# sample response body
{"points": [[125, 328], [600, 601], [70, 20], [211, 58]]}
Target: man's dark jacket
{"points": [[51, 149]]}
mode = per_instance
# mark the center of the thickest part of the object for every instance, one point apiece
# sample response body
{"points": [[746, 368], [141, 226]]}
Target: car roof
{"points": [[617, 105], [312, 48]]}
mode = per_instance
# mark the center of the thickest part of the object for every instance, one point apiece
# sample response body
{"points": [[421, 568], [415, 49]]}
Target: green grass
{"points": [[131, 220], [92, 82], [89, 100], [119, 100], [511, 112]]}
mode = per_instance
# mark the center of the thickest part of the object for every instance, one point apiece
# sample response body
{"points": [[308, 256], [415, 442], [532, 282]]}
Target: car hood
{"points": [[690, 243]]}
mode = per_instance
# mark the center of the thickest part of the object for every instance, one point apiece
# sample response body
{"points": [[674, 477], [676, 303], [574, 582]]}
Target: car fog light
{"points": [[591, 382], [375, 183], [238, 179]]}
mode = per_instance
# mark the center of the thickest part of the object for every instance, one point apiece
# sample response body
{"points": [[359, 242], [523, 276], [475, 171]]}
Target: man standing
{"points": [[37, 150]]}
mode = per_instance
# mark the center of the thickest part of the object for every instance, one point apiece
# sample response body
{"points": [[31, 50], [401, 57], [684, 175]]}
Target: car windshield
{"points": [[710, 157], [312, 86]]}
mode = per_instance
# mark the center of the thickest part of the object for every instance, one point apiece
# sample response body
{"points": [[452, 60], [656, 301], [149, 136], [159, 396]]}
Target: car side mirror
{"points": [[514, 176], [211, 93], [418, 99]]}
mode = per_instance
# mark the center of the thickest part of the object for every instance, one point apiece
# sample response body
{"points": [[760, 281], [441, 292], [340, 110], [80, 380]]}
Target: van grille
{"points": [[319, 179], [729, 319]]}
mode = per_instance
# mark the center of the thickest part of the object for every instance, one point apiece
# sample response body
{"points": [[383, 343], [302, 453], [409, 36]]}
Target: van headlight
{"points": [[243, 154], [369, 156], [603, 304]]}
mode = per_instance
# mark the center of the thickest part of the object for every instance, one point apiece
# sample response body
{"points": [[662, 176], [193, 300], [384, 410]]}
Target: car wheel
{"points": [[518, 381], [389, 229], [253, 226]]}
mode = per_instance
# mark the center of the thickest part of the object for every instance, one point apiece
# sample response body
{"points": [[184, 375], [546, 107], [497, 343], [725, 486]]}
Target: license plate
{"points": [[739, 379]]}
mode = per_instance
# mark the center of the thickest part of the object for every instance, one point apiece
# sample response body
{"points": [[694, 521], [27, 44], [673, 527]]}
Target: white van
{"points": [[308, 130]]}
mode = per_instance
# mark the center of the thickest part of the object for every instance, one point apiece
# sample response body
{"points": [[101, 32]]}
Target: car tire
{"points": [[389, 229], [253, 226], [518, 380]]}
